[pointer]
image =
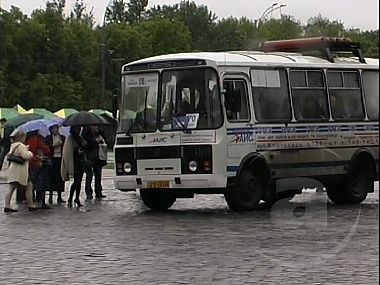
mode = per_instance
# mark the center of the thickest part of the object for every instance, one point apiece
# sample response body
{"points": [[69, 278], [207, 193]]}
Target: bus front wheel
{"points": [[247, 193], [157, 200]]}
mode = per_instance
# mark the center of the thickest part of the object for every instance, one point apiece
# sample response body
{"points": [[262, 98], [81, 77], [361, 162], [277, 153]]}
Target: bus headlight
{"points": [[193, 166], [127, 167]]}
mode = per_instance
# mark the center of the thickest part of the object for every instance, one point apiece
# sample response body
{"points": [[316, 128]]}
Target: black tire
{"points": [[355, 188], [335, 192], [157, 200], [359, 182], [247, 194]]}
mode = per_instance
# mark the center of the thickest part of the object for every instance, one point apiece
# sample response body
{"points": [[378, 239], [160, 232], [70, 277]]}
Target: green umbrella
{"points": [[8, 113], [21, 119]]}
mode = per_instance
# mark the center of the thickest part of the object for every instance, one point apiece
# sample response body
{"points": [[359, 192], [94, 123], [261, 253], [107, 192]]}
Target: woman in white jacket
{"points": [[18, 173]]}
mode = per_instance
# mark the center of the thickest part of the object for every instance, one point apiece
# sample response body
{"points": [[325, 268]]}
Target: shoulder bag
{"points": [[15, 158]]}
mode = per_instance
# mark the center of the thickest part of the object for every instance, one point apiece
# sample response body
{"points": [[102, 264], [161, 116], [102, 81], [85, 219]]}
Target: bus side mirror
{"points": [[114, 106], [236, 101]]}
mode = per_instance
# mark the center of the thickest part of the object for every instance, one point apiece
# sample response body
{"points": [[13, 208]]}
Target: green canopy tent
{"points": [[8, 113], [19, 109], [45, 113], [63, 113]]}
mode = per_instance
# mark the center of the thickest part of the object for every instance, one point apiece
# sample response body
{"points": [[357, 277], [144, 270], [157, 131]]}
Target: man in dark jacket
{"points": [[94, 140]]}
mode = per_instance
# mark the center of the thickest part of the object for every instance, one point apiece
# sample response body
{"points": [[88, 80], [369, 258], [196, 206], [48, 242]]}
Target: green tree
{"points": [[117, 12], [320, 26], [280, 29], [137, 10], [369, 41], [164, 36], [198, 19], [80, 14]]}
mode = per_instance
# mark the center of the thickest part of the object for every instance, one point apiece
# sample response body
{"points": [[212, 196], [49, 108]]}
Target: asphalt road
{"points": [[199, 241]]}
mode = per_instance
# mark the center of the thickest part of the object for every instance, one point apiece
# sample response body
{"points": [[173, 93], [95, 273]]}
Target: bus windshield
{"points": [[139, 102], [190, 99]]}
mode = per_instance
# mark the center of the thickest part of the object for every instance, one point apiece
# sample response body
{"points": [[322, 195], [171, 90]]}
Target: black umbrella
{"points": [[84, 118]]}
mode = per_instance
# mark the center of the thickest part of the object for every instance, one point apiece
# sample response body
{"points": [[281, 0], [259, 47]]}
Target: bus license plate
{"points": [[158, 184]]}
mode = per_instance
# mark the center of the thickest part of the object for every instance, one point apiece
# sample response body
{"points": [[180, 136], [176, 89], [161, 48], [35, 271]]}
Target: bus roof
{"points": [[233, 58]]}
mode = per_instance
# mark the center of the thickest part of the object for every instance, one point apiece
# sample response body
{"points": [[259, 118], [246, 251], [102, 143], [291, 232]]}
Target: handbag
{"points": [[45, 162], [103, 152], [15, 158]]}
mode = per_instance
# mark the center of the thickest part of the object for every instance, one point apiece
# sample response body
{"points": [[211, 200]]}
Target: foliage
{"points": [[52, 60]]}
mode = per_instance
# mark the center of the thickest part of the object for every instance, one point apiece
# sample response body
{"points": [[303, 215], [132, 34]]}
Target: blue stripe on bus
{"points": [[303, 129]]}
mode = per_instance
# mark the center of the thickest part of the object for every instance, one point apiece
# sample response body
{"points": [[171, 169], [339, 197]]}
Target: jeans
{"points": [[96, 171]]}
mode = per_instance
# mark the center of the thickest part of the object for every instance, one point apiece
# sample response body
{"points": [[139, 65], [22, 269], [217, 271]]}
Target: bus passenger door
{"points": [[240, 133]]}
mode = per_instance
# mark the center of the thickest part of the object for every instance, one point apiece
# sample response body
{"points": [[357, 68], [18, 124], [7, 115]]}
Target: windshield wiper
{"points": [[135, 121], [137, 118], [184, 128]]}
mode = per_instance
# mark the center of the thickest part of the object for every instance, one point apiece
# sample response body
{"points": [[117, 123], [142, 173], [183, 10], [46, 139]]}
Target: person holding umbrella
{"points": [[74, 159], [10, 127], [18, 172], [73, 163], [56, 141], [95, 140]]}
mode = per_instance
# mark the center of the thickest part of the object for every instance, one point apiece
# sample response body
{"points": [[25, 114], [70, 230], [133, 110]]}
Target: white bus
{"points": [[245, 123]]}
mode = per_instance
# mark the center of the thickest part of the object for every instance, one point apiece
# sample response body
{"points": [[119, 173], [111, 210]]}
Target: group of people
{"points": [[47, 162]]}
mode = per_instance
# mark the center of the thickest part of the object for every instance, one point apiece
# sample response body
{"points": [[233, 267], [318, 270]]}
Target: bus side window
{"points": [[309, 95], [345, 95], [236, 100], [271, 96]]}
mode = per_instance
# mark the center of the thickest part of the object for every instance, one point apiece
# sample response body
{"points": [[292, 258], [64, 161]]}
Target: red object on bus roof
{"points": [[295, 45]]}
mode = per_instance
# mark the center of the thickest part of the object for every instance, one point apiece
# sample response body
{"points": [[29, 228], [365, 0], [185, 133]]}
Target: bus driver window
{"points": [[236, 100]]}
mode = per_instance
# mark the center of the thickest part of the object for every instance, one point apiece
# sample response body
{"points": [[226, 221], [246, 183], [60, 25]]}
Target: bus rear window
{"points": [[371, 93]]}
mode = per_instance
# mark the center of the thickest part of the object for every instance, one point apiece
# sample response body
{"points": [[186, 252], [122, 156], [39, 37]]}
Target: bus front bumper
{"points": [[188, 181]]}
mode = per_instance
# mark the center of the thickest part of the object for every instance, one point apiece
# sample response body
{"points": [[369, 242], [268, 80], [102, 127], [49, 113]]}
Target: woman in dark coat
{"points": [[55, 141], [73, 163]]}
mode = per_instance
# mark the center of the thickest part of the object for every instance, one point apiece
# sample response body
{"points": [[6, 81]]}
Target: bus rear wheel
{"points": [[356, 187], [157, 200], [247, 194]]}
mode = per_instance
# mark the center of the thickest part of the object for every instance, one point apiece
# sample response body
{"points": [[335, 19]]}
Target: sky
{"points": [[362, 14]]}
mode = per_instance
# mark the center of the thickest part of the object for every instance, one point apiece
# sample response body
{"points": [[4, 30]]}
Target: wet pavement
{"points": [[199, 241]]}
